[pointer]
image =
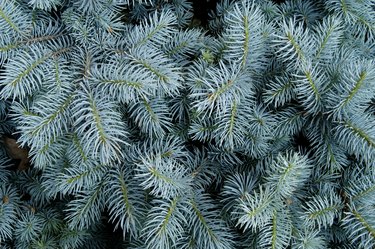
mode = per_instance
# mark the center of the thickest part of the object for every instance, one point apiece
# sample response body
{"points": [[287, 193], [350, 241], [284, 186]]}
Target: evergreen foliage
{"points": [[146, 130]]}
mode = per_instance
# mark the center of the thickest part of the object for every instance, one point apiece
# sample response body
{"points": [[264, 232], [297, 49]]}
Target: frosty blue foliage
{"points": [[237, 186], [255, 209], [104, 138], [8, 211], [361, 186], [163, 177], [321, 211], [126, 202], [165, 223], [309, 239], [45, 5], [277, 232], [145, 129], [359, 223], [208, 230], [14, 20], [28, 226], [288, 173], [86, 208]]}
